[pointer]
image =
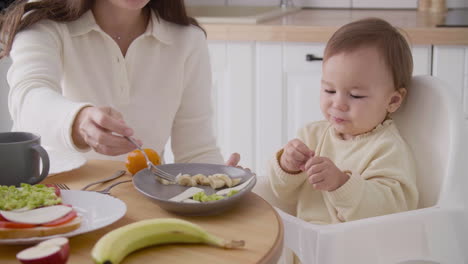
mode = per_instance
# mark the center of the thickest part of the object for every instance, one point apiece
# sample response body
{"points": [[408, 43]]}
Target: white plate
{"points": [[97, 210], [62, 161]]}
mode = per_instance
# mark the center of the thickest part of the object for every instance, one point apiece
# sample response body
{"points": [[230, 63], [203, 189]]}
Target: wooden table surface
{"points": [[252, 220]]}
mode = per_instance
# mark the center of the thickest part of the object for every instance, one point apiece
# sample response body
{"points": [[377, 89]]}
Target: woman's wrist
{"points": [[77, 138]]}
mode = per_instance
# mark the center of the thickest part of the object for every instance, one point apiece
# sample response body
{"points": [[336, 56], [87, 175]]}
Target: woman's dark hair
{"points": [[13, 18]]}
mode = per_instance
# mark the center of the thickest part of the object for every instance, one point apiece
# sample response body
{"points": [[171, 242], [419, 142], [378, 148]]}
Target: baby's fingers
{"points": [[302, 148]]}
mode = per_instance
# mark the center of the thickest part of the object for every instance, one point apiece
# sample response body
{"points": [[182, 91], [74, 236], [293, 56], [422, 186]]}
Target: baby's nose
{"points": [[341, 103]]}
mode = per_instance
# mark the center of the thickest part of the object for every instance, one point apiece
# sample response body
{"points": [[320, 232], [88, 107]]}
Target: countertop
{"points": [[317, 25]]}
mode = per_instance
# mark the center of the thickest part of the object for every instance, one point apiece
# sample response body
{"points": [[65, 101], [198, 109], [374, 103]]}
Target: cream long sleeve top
{"points": [[382, 180], [162, 86]]}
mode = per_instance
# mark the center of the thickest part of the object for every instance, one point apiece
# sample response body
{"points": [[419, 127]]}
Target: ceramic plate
{"points": [[146, 183], [62, 161], [97, 210]]}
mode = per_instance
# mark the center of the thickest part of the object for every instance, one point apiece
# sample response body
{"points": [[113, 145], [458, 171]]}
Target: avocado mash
{"points": [[27, 196], [203, 197]]}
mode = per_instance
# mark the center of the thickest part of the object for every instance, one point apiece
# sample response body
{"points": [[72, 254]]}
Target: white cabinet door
{"points": [[269, 103], [288, 89], [302, 86], [233, 68], [422, 60], [451, 65]]}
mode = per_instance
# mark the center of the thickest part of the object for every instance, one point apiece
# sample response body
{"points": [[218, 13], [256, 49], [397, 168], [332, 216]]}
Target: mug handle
{"points": [[45, 164]]}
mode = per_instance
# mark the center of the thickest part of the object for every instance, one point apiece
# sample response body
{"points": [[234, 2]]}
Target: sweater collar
{"points": [[380, 127], [156, 28]]}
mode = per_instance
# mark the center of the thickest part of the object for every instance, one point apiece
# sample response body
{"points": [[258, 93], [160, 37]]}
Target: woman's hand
{"points": [[94, 126], [295, 155], [324, 175], [233, 161]]}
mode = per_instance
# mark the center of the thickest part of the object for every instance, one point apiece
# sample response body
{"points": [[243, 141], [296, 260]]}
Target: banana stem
{"points": [[234, 244]]}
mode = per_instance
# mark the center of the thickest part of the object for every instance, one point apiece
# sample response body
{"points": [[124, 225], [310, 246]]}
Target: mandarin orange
{"points": [[136, 160]]}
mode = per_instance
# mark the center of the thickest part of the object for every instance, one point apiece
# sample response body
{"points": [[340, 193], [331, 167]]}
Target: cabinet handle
{"points": [[312, 57]]}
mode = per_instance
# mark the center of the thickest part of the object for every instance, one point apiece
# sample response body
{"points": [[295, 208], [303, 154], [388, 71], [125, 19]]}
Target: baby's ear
{"points": [[397, 98]]}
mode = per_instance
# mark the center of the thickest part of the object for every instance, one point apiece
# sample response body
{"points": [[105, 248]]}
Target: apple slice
{"points": [[55, 250], [37, 216]]}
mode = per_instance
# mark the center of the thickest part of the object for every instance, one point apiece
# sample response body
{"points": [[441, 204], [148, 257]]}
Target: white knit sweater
{"points": [[162, 86], [383, 178]]}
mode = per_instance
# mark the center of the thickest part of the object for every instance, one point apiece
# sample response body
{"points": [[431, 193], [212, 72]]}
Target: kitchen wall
{"points": [[330, 3]]}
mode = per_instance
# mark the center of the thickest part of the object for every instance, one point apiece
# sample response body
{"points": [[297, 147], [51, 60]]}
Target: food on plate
{"points": [[55, 250], [203, 197], [114, 246], [235, 188], [198, 195], [136, 161], [216, 181], [35, 211], [28, 196], [186, 194]]}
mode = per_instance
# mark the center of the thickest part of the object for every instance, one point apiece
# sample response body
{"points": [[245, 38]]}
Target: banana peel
{"points": [[113, 247]]}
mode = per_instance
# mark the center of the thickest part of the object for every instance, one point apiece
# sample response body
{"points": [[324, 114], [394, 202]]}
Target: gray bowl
{"points": [[146, 183]]}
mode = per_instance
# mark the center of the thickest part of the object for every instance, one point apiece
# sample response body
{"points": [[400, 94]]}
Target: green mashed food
{"points": [[27, 196], [202, 197]]}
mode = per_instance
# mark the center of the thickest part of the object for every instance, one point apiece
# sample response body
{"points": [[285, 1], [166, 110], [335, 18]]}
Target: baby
{"points": [[354, 164]]}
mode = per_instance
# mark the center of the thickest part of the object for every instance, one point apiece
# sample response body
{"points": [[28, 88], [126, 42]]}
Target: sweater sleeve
{"points": [[387, 185], [192, 137], [35, 100]]}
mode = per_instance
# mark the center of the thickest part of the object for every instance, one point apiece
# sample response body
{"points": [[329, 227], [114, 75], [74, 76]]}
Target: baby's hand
{"points": [[295, 154], [324, 175]]}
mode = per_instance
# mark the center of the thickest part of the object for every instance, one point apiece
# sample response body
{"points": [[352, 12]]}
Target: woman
{"points": [[86, 72]]}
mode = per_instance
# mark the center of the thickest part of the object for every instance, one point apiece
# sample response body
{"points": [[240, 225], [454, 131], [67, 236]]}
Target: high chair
{"points": [[432, 123]]}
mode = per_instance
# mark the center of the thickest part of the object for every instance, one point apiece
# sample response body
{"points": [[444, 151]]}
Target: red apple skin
{"points": [[58, 257], [55, 258], [64, 246]]}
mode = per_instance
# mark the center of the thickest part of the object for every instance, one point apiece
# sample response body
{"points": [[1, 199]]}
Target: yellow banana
{"points": [[115, 245]]}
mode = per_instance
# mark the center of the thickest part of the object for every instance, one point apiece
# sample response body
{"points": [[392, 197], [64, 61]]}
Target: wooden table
{"points": [[252, 220]]}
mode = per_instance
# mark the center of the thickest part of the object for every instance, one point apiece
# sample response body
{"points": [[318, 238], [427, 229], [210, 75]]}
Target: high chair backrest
{"points": [[426, 121]]}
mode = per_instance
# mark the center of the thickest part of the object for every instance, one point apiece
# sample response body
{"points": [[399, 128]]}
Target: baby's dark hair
{"points": [[390, 43]]}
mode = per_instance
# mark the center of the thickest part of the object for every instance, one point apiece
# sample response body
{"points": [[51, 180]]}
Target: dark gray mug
{"points": [[19, 158]]}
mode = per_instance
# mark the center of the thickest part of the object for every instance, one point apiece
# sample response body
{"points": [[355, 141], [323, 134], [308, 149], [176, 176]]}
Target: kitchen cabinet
{"points": [[234, 94], [263, 92], [451, 65]]}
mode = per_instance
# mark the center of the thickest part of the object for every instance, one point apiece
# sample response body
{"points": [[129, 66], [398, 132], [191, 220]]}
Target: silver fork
{"points": [[151, 167], [62, 186], [107, 190], [114, 176]]}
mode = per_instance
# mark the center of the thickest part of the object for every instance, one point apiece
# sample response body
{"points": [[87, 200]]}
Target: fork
{"points": [[151, 167], [107, 190], [62, 186], [114, 176]]}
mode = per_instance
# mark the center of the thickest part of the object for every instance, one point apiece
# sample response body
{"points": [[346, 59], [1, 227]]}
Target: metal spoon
{"points": [[114, 176]]}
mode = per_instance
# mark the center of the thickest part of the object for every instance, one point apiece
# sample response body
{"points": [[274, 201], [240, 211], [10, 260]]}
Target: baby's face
{"points": [[357, 91]]}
